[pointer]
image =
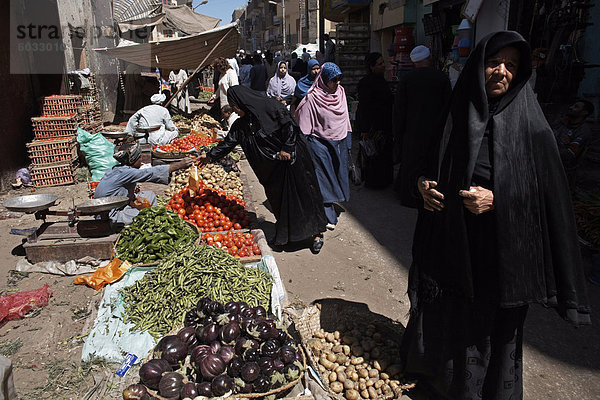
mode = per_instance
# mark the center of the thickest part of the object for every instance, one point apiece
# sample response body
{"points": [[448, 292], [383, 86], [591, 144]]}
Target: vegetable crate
{"points": [[53, 175], [255, 235], [53, 127], [52, 151], [330, 319], [60, 105]]}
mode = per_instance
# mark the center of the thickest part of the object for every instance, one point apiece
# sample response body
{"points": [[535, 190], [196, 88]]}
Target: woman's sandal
{"points": [[317, 244]]}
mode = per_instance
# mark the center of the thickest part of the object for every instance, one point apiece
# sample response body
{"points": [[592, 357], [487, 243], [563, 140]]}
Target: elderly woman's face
{"points": [[500, 69], [314, 71], [238, 110]]}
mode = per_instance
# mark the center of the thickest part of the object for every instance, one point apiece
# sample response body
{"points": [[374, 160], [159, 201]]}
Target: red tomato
{"points": [[237, 226]]}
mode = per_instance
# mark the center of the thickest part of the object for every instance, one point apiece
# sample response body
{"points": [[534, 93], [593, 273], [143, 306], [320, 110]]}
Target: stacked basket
{"points": [[90, 110], [53, 152]]}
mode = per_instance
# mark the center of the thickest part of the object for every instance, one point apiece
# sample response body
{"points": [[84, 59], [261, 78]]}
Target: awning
{"points": [[185, 53], [337, 10], [132, 10], [184, 19]]}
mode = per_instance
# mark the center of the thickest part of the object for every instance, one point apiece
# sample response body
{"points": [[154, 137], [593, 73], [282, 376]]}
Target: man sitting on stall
{"points": [[122, 179], [153, 122]]}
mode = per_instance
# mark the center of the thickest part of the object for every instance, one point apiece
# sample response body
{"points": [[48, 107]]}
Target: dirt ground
{"points": [[365, 260]]}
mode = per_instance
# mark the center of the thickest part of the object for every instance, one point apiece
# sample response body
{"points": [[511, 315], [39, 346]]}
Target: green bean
{"points": [[157, 303]]}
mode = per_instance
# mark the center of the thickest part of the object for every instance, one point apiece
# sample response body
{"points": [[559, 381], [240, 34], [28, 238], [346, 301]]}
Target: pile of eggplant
{"points": [[222, 349]]}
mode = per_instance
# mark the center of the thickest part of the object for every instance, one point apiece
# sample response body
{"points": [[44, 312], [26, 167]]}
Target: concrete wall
{"points": [[492, 17]]}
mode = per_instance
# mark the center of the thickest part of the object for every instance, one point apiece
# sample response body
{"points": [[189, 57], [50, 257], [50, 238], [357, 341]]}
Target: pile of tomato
{"points": [[237, 244], [209, 210], [186, 143]]}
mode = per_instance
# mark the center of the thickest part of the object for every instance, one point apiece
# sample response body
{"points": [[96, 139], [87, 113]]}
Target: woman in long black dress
{"points": [[279, 155], [374, 120], [499, 233]]}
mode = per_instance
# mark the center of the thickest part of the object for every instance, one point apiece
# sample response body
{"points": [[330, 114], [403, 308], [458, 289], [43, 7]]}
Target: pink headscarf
{"points": [[323, 113]]}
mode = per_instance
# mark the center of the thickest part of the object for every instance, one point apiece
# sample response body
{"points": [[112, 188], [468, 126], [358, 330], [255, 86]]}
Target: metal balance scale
{"points": [[74, 238]]}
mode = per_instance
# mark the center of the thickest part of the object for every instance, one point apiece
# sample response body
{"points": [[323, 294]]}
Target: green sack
{"points": [[98, 152]]}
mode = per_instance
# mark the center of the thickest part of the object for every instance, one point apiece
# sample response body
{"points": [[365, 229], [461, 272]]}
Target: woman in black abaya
{"points": [[498, 235], [278, 153]]}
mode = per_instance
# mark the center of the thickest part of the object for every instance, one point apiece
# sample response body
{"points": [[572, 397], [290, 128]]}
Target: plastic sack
{"points": [[25, 176], [108, 274], [16, 305], [98, 153], [194, 179]]}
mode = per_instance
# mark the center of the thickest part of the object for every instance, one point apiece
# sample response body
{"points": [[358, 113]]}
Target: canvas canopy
{"points": [[187, 52]]}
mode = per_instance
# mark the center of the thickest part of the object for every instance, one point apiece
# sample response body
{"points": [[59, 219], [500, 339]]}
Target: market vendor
{"points": [[154, 121], [122, 179]]}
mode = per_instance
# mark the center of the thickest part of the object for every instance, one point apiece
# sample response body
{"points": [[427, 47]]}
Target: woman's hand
{"points": [[432, 199], [284, 156], [478, 199]]}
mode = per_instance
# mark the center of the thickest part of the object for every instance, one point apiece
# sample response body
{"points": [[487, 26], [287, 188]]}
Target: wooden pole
{"points": [[197, 69]]}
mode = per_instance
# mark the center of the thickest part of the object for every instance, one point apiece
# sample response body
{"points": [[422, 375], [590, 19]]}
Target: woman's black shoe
{"points": [[317, 246]]}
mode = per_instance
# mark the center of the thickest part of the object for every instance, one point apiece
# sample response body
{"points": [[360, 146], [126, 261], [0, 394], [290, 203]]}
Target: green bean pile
{"points": [[157, 303], [154, 233]]}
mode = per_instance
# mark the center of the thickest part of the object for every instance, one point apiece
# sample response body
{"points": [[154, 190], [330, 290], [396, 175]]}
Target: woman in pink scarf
{"points": [[323, 118], [282, 85]]}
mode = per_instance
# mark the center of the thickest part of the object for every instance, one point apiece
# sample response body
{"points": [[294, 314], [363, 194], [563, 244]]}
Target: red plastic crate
{"points": [[53, 175], [52, 151], [52, 127], [63, 104]]}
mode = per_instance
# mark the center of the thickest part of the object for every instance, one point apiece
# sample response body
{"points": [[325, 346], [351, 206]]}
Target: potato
{"points": [[350, 384], [364, 394], [331, 356], [322, 369], [373, 373], [338, 348], [362, 385], [346, 349], [330, 337], [363, 373], [379, 384], [372, 393], [357, 361], [371, 381], [341, 358], [319, 334], [383, 375], [386, 389], [337, 387], [326, 363], [332, 377], [336, 335], [341, 376], [378, 392], [368, 345], [352, 394], [340, 369]]}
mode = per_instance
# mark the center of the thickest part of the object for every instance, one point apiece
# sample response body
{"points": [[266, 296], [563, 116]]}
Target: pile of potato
{"points": [[358, 363], [213, 176]]}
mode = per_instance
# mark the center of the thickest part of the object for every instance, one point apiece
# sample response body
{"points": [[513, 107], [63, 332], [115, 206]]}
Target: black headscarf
{"points": [[269, 113], [535, 236]]}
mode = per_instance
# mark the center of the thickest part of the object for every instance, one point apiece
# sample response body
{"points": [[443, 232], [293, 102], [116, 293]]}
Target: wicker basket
{"points": [[331, 315], [280, 390]]}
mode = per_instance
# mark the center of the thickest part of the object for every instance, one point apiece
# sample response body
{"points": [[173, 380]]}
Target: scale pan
{"points": [[102, 204], [30, 203]]}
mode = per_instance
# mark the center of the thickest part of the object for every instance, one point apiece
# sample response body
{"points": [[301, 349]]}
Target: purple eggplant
{"points": [[226, 353], [188, 336], [221, 384], [243, 343], [232, 307], [198, 354], [235, 318], [235, 367], [247, 313], [230, 332], [262, 384], [208, 334], [260, 312], [205, 389], [278, 365], [152, 371], [282, 336], [211, 366], [292, 371], [243, 306], [270, 348], [171, 349], [215, 308], [189, 390], [170, 385], [251, 355], [202, 303], [287, 354], [250, 371], [266, 365], [136, 392], [215, 347]]}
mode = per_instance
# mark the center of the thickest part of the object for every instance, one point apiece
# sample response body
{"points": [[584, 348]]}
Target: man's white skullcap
{"points": [[158, 98], [419, 53]]}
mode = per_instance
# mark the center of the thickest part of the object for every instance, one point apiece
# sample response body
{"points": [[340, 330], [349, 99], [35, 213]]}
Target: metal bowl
{"points": [[30, 203], [102, 204], [115, 135]]}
